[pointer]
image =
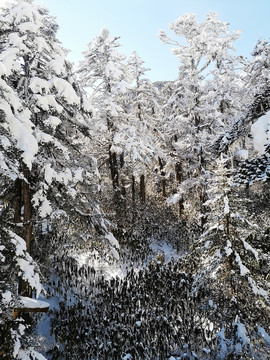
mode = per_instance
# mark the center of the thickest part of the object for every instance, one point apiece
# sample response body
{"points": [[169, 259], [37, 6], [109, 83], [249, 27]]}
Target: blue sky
{"points": [[137, 22]]}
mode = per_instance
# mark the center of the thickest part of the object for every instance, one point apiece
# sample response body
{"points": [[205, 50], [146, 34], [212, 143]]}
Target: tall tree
{"points": [[104, 72], [45, 125], [197, 103]]}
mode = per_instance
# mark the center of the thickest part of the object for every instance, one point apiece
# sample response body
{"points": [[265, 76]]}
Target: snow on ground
{"points": [[159, 251], [164, 248], [101, 266]]}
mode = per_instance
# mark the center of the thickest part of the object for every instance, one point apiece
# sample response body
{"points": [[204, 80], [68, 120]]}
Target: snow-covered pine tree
{"points": [[195, 112], [142, 143], [255, 100], [49, 179], [230, 275], [104, 73]]}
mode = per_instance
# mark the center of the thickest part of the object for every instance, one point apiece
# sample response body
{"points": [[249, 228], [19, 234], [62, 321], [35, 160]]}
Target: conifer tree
{"points": [[49, 179], [196, 106], [104, 72]]}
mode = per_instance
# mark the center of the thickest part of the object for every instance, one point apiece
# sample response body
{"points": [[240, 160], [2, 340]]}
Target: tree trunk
{"points": [[24, 288], [27, 218], [122, 160], [133, 189], [163, 181], [17, 201], [114, 169], [179, 179], [203, 199], [142, 188]]}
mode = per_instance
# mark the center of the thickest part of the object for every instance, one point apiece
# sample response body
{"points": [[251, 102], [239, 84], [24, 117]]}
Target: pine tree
{"points": [[48, 177], [104, 72], [228, 265], [196, 110]]}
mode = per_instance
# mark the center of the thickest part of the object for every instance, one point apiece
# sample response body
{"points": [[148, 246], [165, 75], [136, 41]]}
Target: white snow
{"points": [[4, 142], [65, 90], [20, 245], [52, 122], [45, 209], [256, 289], [3, 69], [17, 41], [28, 274], [8, 59], [243, 269], [226, 205], [260, 132], [24, 12], [173, 199], [127, 357], [43, 137], [77, 176], [243, 154], [30, 354], [228, 248], [47, 103], [6, 296], [241, 334], [50, 174], [29, 26], [250, 248], [222, 343], [57, 65], [26, 142], [25, 263], [17, 343], [112, 240], [39, 86], [264, 334], [29, 303]]}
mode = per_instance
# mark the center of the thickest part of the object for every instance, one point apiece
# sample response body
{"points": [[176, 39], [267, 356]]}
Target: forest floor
{"points": [[59, 295]]}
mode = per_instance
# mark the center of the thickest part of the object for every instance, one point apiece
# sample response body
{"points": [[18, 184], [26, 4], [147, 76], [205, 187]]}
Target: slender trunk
{"points": [[178, 173], [123, 188], [203, 199], [114, 169], [142, 188], [122, 160], [122, 163], [163, 181], [24, 288], [133, 189], [228, 225], [27, 212], [18, 201], [179, 179]]}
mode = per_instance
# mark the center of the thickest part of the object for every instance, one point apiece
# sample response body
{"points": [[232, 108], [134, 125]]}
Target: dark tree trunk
{"points": [[179, 179], [24, 288], [27, 217], [162, 173], [203, 199], [133, 189], [142, 188], [122, 160], [123, 188], [114, 169], [228, 225], [17, 200], [178, 173]]}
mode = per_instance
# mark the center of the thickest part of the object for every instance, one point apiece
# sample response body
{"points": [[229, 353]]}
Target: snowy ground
{"points": [[159, 251]]}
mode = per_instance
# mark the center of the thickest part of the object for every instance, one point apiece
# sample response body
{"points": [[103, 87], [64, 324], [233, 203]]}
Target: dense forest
{"points": [[134, 215]]}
